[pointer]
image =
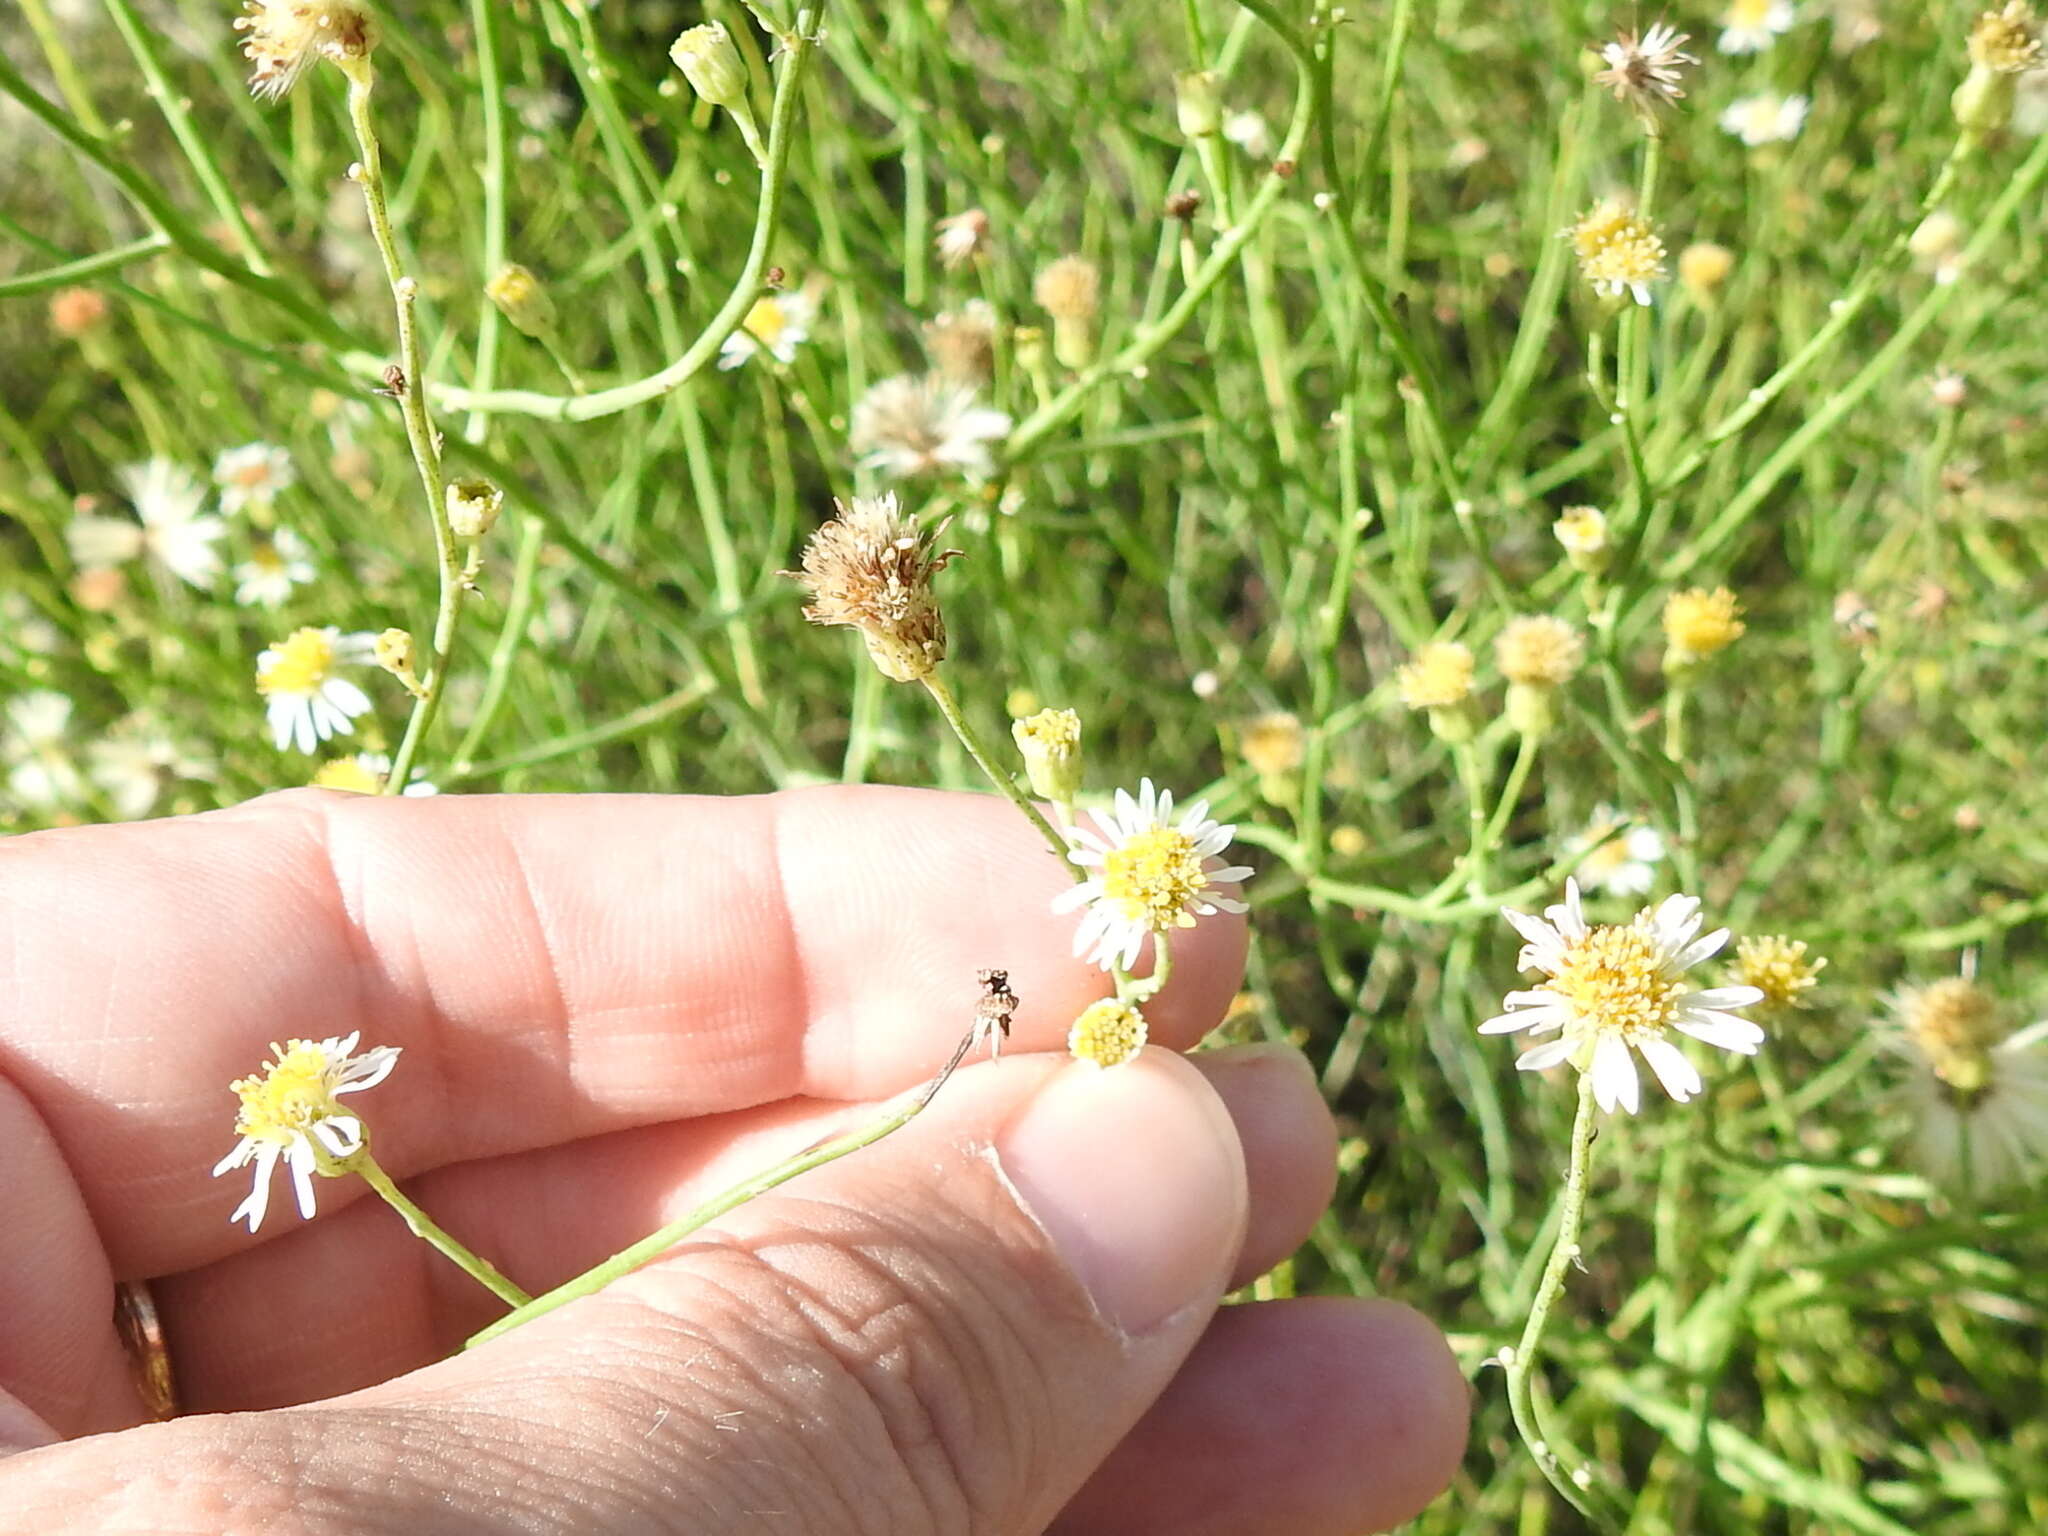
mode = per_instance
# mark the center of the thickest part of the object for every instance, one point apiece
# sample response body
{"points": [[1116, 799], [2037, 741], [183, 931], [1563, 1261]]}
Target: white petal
{"points": [[1614, 1075], [300, 1160], [1681, 1079], [1723, 997], [368, 1069], [1700, 949], [1540, 1058], [1725, 1030]]}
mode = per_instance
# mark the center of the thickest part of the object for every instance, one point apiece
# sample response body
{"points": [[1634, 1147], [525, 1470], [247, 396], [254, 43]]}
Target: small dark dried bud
{"points": [[1184, 205], [1284, 169], [394, 382], [994, 1010], [774, 277]]}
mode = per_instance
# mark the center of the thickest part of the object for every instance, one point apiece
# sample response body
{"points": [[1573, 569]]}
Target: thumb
{"points": [[948, 1330]]}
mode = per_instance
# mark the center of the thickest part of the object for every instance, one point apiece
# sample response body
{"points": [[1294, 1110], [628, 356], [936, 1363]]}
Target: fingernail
{"points": [[1136, 1175]]}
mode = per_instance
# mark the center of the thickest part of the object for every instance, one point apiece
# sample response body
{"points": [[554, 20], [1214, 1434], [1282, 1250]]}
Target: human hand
{"points": [[1000, 1319]]}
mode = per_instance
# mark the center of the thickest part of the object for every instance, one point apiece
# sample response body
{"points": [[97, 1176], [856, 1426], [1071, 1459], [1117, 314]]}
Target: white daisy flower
{"points": [[1149, 873], [1617, 866], [133, 762], [275, 566], [1765, 119], [778, 323], [289, 1113], [307, 702], [909, 426], [252, 473], [1620, 988], [365, 773], [1753, 25], [1979, 1103], [167, 499], [40, 771]]}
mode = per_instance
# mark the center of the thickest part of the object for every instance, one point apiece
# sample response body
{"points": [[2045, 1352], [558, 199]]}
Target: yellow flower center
{"points": [[288, 1096], [346, 773], [1698, 623], [1107, 1034], [300, 664], [1747, 14], [1778, 967], [1153, 876], [1617, 983], [766, 321], [1616, 247], [266, 558], [1439, 677], [1605, 859]]}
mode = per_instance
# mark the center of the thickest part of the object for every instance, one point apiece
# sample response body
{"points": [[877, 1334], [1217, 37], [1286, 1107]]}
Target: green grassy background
{"points": [[1779, 1326]]}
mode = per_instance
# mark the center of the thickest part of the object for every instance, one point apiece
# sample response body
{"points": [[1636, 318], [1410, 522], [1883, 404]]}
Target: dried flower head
{"points": [[871, 567], [1613, 989], [1107, 1034], [962, 343], [1619, 252], [961, 238], [1699, 623], [1539, 650], [922, 425], [1643, 70], [1702, 268], [1979, 1097], [1777, 967], [75, 312], [2007, 40], [1273, 745], [1438, 677], [288, 1112], [1069, 288], [285, 36]]}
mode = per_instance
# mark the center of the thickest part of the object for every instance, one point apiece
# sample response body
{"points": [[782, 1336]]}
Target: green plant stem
{"points": [[424, 1227], [1564, 1252], [419, 428], [84, 267], [226, 206], [942, 695], [1511, 792], [656, 1244], [745, 290], [1875, 278]]}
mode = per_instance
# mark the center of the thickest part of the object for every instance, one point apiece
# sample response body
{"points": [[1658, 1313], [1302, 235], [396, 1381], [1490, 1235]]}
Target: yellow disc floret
{"points": [[1778, 967], [1107, 1034], [1153, 877], [1697, 623], [298, 664], [1616, 982], [290, 1095]]}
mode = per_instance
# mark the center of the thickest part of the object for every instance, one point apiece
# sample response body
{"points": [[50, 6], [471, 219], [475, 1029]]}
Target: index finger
{"points": [[554, 968]]}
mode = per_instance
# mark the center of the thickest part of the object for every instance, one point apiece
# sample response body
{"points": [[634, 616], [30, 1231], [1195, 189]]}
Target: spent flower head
{"points": [[1538, 649], [1438, 676], [1644, 69], [2007, 40], [289, 1113], [922, 425], [1616, 990], [1582, 533], [1148, 872], [960, 238], [1979, 1097], [871, 568], [1273, 745], [1619, 251], [286, 36]]}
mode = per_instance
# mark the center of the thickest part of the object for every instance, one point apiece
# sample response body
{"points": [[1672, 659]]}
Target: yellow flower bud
{"points": [[709, 61]]}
